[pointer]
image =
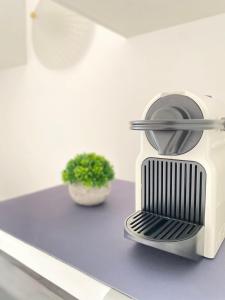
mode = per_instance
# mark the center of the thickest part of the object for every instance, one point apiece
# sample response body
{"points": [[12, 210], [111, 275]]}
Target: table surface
{"points": [[91, 240]]}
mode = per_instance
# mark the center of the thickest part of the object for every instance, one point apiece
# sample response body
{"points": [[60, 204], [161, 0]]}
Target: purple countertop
{"points": [[91, 240]]}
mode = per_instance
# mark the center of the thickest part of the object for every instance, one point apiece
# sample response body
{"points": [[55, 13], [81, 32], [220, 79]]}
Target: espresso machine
{"points": [[180, 176]]}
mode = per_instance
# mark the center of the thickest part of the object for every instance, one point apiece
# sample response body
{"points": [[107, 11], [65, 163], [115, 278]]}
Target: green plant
{"points": [[89, 169]]}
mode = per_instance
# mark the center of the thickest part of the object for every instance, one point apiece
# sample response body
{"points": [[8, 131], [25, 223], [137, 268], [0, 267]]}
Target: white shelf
{"points": [[134, 17], [67, 278]]}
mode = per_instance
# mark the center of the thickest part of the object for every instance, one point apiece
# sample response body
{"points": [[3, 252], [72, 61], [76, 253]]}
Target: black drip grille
{"points": [[175, 189], [159, 228]]}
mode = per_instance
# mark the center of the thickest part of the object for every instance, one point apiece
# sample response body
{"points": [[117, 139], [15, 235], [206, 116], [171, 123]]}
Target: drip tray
{"points": [[160, 228], [172, 235]]}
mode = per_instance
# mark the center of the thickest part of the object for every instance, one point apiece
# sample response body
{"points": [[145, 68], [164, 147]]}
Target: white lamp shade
{"points": [[61, 37]]}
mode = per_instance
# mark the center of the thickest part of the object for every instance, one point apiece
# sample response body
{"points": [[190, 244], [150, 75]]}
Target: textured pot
{"points": [[89, 196]]}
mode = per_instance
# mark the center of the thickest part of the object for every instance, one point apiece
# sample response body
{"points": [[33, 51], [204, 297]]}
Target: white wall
{"points": [[12, 33], [47, 116]]}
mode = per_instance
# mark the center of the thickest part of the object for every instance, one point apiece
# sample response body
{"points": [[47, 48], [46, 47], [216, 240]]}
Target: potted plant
{"points": [[89, 177]]}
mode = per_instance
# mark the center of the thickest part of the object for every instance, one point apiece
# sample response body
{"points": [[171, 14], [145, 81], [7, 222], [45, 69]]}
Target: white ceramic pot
{"points": [[89, 195]]}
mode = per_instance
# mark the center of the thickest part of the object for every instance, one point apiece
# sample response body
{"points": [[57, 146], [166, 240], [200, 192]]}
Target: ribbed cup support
{"points": [[174, 188]]}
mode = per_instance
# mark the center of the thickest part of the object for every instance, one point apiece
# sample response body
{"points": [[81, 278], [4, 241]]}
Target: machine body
{"points": [[180, 172]]}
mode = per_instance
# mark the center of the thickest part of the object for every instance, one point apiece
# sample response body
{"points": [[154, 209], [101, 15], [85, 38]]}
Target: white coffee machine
{"points": [[180, 176]]}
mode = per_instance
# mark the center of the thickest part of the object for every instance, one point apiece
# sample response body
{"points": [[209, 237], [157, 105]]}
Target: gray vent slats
{"points": [[150, 228], [160, 228], [168, 180], [173, 230], [164, 189], [151, 179], [145, 224], [174, 189], [180, 230], [155, 177], [183, 189], [139, 223]]}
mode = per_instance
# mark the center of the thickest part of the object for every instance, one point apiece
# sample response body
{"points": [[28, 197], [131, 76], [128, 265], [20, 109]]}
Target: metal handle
{"points": [[185, 124]]}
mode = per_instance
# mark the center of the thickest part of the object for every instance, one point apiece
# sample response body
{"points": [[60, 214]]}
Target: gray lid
{"points": [[174, 107]]}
